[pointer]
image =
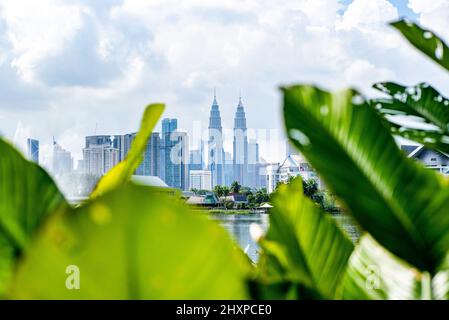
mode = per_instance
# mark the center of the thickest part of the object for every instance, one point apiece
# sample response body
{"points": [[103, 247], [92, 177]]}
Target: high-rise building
{"points": [[196, 160], [174, 155], [253, 165], [169, 126], [125, 144], [99, 159], [240, 151], [200, 180], [62, 160], [272, 176], [33, 150], [182, 150], [228, 169], [114, 141], [150, 165], [215, 152]]}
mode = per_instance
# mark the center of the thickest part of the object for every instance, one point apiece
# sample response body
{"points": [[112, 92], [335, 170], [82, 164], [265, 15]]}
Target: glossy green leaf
{"points": [[425, 41], [27, 196], [122, 172], [421, 104], [133, 243], [403, 205], [303, 245], [373, 273]]}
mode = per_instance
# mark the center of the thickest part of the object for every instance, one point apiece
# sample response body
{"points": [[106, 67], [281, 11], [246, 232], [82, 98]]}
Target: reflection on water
{"points": [[238, 227]]}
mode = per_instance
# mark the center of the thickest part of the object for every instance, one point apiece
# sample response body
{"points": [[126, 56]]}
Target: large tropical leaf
{"points": [[27, 196], [402, 204], [303, 246], [374, 273], [425, 41], [133, 243], [122, 172], [420, 104]]}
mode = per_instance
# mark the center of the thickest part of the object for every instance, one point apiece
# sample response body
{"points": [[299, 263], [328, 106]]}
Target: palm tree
{"points": [[235, 187]]}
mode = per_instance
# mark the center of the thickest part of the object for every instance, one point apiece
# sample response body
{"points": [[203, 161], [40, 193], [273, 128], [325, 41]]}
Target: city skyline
{"points": [[198, 138], [169, 154]]}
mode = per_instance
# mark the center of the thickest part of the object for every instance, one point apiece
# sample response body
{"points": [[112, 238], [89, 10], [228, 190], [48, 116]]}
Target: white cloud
{"points": [[37, 30], [433, 14], [67, 66], [368, 14]]}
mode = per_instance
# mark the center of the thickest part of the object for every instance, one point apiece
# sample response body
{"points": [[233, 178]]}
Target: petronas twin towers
{"points": [[240, 145]]}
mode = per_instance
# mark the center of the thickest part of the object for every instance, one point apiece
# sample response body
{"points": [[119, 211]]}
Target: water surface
{"points": [[238, 226]]}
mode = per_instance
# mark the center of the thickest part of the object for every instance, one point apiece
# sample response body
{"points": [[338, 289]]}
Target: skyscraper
{"points": [[33, 150], [174, 155], [215, 145], [98, 159], [150, 165], [113, 141], [196, 161], [62, 160], [253, 165], [240, 145]]}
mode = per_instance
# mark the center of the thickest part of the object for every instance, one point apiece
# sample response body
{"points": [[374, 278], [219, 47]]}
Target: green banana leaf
{"points": [[27, 196], [425, 41], [122, 172], [400, 203], [132, 243], [303, 247], [373, 273], [424, 104]]}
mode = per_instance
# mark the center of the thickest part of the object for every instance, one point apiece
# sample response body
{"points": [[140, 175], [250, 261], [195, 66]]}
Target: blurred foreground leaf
{"points": [[133, 243], [425, 41], [27, 196]]}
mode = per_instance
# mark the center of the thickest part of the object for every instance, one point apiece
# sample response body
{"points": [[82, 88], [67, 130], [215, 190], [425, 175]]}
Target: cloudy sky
{"points": [[69, 66]]}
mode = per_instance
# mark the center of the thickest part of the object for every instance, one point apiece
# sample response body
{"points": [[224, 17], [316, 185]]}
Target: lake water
{"points": [[238, 226]]}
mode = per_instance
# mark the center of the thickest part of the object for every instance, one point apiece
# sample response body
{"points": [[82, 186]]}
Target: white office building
{"points": [[99, 159], [200, 179]]}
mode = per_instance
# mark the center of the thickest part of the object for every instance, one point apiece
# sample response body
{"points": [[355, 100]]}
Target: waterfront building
{"points": [[240, 145], [295, 165], [33, 150], [432, 159], [200, 180], [62, 160], [215, 152]]}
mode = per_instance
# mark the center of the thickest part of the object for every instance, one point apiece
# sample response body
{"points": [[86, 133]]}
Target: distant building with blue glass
{"points": [[33, 150], [174, 155]]}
